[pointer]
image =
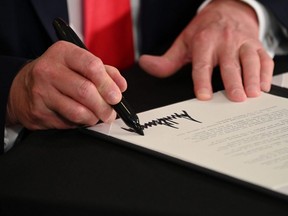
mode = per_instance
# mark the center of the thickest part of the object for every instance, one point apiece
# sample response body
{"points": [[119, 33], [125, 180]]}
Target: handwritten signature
{"points": [[166, 121]]}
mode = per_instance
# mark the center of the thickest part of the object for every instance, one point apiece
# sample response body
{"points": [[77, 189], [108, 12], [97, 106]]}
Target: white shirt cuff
{"points": [[11, 134]]}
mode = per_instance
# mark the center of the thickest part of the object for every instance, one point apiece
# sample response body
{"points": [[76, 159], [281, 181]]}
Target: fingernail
{"points": [[204, 94], [265, 86], [113, 98], [238, 95], [252, 91]]}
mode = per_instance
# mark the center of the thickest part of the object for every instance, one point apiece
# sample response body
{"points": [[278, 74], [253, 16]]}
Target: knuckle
{"points": [[79, 115], [202, 66], [60, 45], [229, 32], [106, 113], [104, 87], [202, 36], [76, 114], [44, 70], [35, 117], [201, 73], [229, 66], [94, 66], [253, 78], [84, 89], [268, 63], [40, 67]]}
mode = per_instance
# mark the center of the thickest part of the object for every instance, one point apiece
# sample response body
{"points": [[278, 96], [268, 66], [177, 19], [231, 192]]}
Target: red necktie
{"points": [[108, 31]]}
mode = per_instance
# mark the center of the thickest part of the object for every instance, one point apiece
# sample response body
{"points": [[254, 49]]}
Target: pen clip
{"points": [[65, 32]]}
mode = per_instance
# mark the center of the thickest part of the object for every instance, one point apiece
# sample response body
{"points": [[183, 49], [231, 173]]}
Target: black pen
{"points": [[65, 32]]}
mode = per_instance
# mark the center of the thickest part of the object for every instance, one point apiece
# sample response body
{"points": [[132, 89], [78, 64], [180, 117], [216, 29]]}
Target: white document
{"points": [[246, 141], [281, 80]]}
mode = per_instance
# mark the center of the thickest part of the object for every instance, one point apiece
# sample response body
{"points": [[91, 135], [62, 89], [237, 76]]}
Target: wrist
{"points": [[17, 88]]}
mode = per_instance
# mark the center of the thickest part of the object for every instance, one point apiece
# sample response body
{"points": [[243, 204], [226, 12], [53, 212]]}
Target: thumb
{"points": [[162, 66]]}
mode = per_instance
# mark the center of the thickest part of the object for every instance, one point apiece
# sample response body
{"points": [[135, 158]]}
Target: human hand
{"points": [[224, 33], [67, 86]]}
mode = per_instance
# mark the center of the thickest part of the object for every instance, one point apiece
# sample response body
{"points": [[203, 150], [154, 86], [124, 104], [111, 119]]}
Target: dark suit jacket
{"points": [[26, 32]]}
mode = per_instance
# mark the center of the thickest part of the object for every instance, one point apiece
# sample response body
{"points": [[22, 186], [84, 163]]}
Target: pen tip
{"points": [[141, 133], [139, 130]]}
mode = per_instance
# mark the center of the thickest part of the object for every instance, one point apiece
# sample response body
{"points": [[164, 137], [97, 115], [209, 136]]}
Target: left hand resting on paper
{"points": [[224, 33]]}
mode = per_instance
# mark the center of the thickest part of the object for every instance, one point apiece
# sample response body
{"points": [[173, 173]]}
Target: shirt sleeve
{"points": [[11, 134]]}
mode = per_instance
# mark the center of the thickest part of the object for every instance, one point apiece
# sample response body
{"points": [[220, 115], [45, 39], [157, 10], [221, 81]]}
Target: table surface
{"points": [[59, 172]]}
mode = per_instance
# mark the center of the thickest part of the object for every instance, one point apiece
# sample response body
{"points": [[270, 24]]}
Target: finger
{"points": [[173, 59], [266, 71], [72, 110], [56, 111], [48, 120], [69, 110], [202, 68], [250, 63], [231, 74], [92, 68], [116, 77], [82, 91]]}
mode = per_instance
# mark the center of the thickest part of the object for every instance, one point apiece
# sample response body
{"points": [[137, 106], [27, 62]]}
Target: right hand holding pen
{"points": [[66, 87]]}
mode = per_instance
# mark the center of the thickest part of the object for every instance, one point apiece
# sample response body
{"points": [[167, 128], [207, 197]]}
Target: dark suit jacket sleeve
{"points": [[279, 9], [9, 67]]}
